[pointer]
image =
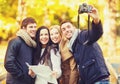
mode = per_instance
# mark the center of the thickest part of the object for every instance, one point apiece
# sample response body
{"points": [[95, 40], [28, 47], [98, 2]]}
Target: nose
{"points": [[34, 28], [54, 36], [44, 36], [67, 29]]}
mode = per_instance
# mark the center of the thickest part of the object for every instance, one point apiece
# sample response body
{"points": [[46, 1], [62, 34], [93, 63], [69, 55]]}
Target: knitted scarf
{"points": [[71, 41], [26, 37]]}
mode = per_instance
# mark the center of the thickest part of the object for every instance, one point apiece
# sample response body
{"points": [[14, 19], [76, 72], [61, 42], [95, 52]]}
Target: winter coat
{"points": [[18, 53], [89, 57]]}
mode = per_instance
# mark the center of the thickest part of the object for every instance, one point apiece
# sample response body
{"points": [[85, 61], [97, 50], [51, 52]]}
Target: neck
{"points": [[43, 46], [33, 38]]}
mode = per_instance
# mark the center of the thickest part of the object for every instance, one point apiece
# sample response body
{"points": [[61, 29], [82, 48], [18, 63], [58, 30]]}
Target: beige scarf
{"points": [[26, 37]]}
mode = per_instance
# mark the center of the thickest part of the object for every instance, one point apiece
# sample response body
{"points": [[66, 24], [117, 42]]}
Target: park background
{"points": [[50, 12]]}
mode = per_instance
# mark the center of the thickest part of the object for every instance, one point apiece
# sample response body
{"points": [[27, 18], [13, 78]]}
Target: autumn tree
{"points": [[109, 25]]}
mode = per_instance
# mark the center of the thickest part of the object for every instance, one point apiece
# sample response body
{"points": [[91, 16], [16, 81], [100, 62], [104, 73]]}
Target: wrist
{"points": [[96, 21]]}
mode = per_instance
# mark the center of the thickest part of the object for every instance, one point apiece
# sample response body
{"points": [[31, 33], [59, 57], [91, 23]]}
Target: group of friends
{"points": [[72, 54]]}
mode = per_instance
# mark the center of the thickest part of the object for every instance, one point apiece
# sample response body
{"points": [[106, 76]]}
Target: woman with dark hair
{"points": [[43, 43], [46, 54]]}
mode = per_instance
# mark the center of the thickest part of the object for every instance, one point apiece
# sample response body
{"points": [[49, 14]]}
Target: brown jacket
{"points": [[70, 73]]}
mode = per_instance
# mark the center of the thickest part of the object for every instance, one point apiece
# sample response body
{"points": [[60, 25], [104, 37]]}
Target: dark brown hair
{"points": [[65, 21], [27, 21]]}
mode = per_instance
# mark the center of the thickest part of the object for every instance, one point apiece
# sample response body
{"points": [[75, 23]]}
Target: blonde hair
{"points": [[56, 27]]}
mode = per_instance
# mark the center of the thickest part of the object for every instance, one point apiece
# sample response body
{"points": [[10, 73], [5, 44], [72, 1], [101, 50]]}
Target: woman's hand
{"points": [[31, 73], [54, 74]]}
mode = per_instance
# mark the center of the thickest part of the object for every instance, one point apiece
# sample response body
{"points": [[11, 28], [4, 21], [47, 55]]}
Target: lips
{"points": [[55, 41], [44, 40], [33, 32], [55, 38], [69, 34]]}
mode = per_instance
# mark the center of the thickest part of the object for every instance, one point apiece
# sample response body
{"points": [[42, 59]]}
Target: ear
{"points": [[24, 28]]}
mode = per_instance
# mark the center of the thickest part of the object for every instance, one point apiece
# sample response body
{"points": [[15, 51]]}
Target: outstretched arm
{"points": [[97, 30], [95, 15]]}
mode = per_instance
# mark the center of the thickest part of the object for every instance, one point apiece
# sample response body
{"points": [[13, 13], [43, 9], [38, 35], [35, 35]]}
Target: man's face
{"points": [[67, 30], [31, 29]]}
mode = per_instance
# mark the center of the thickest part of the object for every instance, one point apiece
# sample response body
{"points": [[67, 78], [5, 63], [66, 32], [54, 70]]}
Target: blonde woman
{"points": [[68, 65]]}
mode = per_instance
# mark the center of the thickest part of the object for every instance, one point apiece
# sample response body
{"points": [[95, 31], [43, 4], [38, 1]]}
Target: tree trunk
{"points": [[109, 36], [21, 13]]}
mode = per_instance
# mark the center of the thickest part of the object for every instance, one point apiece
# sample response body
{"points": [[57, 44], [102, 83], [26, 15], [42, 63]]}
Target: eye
{"points": [[63, 29], [46, 34], [30, 26], [41, 34], [35, 26], [56, 33], [51, 34]]}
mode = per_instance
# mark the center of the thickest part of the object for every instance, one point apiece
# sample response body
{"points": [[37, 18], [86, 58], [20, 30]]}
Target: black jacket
{"points": [[89, 57], [18, 52]]}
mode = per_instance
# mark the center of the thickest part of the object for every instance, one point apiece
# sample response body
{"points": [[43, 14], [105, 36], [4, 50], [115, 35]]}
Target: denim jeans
{"points": [[103, 82]]}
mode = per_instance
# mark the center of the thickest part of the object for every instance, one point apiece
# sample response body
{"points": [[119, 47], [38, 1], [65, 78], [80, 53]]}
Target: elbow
{"points": [[101, 33], [6, 66]]}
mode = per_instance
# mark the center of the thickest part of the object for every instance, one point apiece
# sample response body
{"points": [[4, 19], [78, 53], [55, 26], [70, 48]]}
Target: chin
{"points": [[69, 37], [55, 41], [32, 36]]}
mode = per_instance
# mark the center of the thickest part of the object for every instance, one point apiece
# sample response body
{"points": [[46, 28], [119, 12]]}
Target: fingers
{"points": [[93, 11], [94, 14], [31, 73]]}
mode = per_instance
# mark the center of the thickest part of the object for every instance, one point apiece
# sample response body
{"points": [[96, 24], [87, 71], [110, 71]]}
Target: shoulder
{"points": [[15, 41], [82, 36], [83, 33], [54, 50], [55, 54], [53, 46]]}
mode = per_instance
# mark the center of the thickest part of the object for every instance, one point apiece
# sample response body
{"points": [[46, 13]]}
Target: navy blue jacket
{"points": [[89, 57], [18, 52]]}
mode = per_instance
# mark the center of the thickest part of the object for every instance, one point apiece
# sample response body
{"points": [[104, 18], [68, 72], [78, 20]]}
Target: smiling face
{"points": [[31, 29], [67, 29], [29, 25], [55, 35], [44, 36]]}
